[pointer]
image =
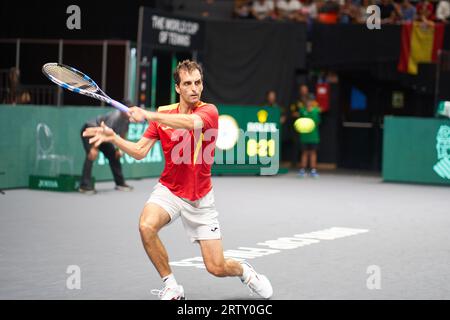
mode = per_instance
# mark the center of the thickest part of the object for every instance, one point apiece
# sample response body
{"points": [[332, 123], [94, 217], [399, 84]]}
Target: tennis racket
{"points": [[71, 79]]}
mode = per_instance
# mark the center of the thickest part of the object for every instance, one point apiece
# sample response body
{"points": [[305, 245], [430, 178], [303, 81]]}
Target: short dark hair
{"points": [[186, 65]]}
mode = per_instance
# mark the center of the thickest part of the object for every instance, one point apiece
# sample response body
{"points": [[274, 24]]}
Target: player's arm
{"points": [[176, 121], [137, 150], [123, 135]]}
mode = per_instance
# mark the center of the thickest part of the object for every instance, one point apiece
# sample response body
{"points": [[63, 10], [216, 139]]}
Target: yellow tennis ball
{"points": [[304, 125]]}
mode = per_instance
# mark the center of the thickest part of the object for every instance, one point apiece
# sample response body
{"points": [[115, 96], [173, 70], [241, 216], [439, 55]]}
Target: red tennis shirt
{"points": [[188, 154]]}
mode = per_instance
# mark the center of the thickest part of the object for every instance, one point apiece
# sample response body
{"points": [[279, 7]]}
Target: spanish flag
{"points": [[420, 44]]}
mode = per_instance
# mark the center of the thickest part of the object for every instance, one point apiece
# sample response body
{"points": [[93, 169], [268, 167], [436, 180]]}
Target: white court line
{"points": [[275, 246]]}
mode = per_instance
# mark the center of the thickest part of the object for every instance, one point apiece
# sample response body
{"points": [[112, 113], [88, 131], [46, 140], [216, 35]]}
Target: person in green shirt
{"points": [[309, 142]]}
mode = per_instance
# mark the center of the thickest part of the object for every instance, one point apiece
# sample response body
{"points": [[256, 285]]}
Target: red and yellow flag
{"points": [[420, 44]]}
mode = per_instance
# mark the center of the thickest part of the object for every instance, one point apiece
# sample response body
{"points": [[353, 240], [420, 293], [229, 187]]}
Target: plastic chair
{"points": [[45, 151]]}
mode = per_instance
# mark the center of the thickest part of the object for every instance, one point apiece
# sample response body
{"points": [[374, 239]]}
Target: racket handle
{"points": [[119, 106]]}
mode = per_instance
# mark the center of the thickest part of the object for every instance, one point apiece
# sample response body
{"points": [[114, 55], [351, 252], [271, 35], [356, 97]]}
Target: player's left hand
{"points": [[99, 134]]}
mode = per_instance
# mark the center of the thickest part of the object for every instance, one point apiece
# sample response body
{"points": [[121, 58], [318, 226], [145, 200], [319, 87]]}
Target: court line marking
{"points": [[269, 247]]}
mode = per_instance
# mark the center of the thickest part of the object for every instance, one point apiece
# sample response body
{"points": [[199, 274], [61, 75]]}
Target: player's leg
{"points": [[200, 220], [160, 210], [217, 265], [153, 218]]}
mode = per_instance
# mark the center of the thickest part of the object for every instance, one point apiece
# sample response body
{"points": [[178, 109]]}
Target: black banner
{"points": [[166, 31], [243, 60], [351, 46]]}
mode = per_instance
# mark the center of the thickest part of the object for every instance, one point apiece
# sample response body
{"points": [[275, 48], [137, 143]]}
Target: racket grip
{"points": [[119, 106]]}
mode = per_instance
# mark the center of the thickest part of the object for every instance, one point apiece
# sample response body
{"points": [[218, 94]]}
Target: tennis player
{"points": [[187, 131]]}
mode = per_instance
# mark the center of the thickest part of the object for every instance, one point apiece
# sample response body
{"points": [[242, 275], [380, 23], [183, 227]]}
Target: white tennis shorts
{"points": [[199, 217]]}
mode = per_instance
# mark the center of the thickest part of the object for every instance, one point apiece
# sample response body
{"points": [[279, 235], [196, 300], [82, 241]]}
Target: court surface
{"points": [[403, 252]]}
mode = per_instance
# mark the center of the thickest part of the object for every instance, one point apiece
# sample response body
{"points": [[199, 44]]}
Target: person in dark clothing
{"points": [[387, 12], [119, 121]]}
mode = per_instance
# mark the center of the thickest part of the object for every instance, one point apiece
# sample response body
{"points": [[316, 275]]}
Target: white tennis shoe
{"points": [[257, 283], [170, 293]]}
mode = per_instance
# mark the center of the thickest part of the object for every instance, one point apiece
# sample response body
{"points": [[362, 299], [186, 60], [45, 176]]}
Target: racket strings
{"points": [[70, 77]]}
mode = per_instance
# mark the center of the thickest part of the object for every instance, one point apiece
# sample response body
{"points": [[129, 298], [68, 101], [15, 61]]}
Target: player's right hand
{"points": [[137, 114], [99, 134]]}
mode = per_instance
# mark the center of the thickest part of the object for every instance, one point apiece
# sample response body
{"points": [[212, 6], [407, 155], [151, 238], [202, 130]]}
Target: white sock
{"points": [[170, 281], [245, 272]]}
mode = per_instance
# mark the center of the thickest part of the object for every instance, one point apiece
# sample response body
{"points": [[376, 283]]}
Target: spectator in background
{"points": [[329, 12], [215, 9], [443, 11], [289, 10], [348, 13], [303, 97], [119, 122], [242, 9], [309, 11], [363, 14], [271, 101], [12, 96], [263, 9], [309, 142], [406, 11], [387, 12], [425, 12], [24, 97], [285, 136], [15, 93], [303, 94]]}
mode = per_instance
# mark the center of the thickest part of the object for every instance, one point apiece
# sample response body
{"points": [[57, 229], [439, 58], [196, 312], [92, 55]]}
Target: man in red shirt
{"points": [[187, 131]]}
